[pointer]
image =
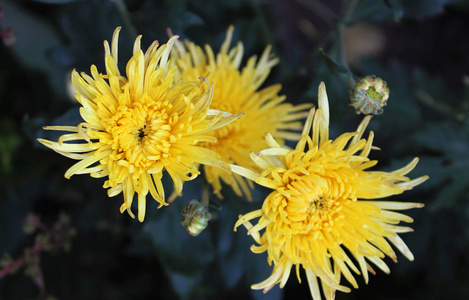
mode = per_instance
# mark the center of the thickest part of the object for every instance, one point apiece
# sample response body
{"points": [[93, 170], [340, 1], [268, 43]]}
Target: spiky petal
{"points": [[238, 89]]}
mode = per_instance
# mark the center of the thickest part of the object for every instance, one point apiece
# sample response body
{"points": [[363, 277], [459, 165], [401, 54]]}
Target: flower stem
{"points": [[341, 27], [124, 14], [349, 11], [205, 195]]}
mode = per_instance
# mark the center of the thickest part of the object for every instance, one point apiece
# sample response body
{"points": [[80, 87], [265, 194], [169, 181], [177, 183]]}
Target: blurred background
{"points": [[65, 239]]}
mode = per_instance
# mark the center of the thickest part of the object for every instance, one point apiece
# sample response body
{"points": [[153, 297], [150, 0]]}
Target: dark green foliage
{"points": [[424, 61]]}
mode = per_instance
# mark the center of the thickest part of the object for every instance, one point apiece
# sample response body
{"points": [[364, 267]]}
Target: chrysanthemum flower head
{"points": [[138, 125], [322, 214], [237, 89]]}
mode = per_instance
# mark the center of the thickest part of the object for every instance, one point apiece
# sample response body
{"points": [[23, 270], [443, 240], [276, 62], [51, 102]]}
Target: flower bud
{"points": [[369, 95], [195, 217]]}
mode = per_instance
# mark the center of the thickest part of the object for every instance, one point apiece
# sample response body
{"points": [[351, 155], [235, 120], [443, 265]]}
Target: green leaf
{"points": [[445, 138], [71, 117], [448, 168], [186, 259], [396, 7], [451, 193], [230, 245], [378, 11], [236, 259], [374, 11], [33, 32], [86, 38], [10, 143], [419, 9], [12, 214], [157, 19], [333, 64]]}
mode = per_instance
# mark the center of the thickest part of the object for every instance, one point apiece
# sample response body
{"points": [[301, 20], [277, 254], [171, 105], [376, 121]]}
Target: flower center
{"points": [[311, 208], [310, 197], [324, 211], [317, 203], [142, 132], [141, 135]]}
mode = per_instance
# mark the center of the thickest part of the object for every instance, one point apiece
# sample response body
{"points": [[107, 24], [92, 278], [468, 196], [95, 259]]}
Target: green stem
{"points": [[321, 10], [343, 58], [341, 27], [266, 31], [124, 14], [205, 195], [349, 11]]}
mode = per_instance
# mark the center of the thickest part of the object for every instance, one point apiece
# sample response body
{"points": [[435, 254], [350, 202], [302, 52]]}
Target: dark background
{"points": [[420, 48]]}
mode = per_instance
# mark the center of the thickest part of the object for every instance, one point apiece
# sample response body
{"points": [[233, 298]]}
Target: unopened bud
{"points": [[369, 95], [195, 217]]}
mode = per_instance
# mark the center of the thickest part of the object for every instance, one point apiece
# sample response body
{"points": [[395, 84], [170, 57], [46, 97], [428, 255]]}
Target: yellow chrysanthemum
{"points": [[140, 125], [315, 217], [237, 91]]}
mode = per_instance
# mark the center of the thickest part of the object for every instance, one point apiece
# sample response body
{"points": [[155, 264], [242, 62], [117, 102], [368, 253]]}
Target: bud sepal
{"points": [[369, 95]]}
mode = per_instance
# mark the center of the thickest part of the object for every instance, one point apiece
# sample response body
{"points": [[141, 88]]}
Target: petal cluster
{"points": [[237, 89], [322, 214], [140, 124]]}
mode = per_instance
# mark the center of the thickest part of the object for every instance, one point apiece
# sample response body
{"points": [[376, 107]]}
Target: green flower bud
{"points": [[195, 217], [369, 95]]}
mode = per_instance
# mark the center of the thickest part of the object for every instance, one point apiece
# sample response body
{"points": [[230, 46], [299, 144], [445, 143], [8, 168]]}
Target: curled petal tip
{"points": [[173, 39], [115, 35], [322, 94]]}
